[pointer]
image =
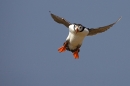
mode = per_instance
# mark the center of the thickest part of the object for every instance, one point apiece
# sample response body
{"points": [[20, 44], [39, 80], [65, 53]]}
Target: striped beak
{"points": [[76, 31]]}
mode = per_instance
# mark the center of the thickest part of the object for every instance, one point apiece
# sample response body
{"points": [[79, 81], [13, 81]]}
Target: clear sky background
{"points": [[29, 39]]}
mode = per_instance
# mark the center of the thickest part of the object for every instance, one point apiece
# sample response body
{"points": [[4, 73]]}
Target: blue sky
{"points": [[29, 40]]}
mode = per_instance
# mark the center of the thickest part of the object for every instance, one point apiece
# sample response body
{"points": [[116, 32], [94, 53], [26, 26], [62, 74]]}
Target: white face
{"points": [[78, 29], [71, 28]]}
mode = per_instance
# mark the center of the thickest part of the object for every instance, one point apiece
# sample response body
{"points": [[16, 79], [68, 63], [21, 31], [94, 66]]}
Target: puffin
{"points": [[77, 33]]}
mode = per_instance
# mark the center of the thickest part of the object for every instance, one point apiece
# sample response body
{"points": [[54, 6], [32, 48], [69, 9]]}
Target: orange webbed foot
{"points": [[76, 55], [62, 49]]}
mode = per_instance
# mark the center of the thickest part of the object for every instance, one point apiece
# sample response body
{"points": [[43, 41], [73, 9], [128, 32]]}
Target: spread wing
{"points": [[60, 20], [94, 31]]}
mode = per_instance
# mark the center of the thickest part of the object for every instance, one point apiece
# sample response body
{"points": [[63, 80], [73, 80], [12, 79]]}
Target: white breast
{"points": [[76, 39]]}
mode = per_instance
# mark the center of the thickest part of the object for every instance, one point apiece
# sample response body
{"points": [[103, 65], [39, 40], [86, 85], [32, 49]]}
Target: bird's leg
{"points": [[63, 48], [76, 53]]}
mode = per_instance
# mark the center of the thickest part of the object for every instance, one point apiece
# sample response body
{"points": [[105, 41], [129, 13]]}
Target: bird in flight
{"points": [[77, 33]]}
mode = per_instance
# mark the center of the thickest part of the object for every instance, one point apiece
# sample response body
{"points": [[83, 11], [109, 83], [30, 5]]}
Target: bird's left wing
{"points": [[60, 20], [94, 31]]}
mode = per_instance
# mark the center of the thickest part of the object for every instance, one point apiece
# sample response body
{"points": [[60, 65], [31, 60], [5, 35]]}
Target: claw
{"points": [[62, 49], [76, 55]]}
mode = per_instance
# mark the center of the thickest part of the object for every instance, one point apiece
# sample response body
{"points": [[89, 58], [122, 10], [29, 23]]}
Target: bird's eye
{"points": [[80, 27]]}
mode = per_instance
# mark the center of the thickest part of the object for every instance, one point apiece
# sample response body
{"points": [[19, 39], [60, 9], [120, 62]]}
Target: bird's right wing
{"points": [[60, 20], [94, 31]]}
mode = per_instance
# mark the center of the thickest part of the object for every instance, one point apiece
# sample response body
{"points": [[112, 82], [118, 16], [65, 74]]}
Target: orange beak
{"points": [[76, 30]]}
